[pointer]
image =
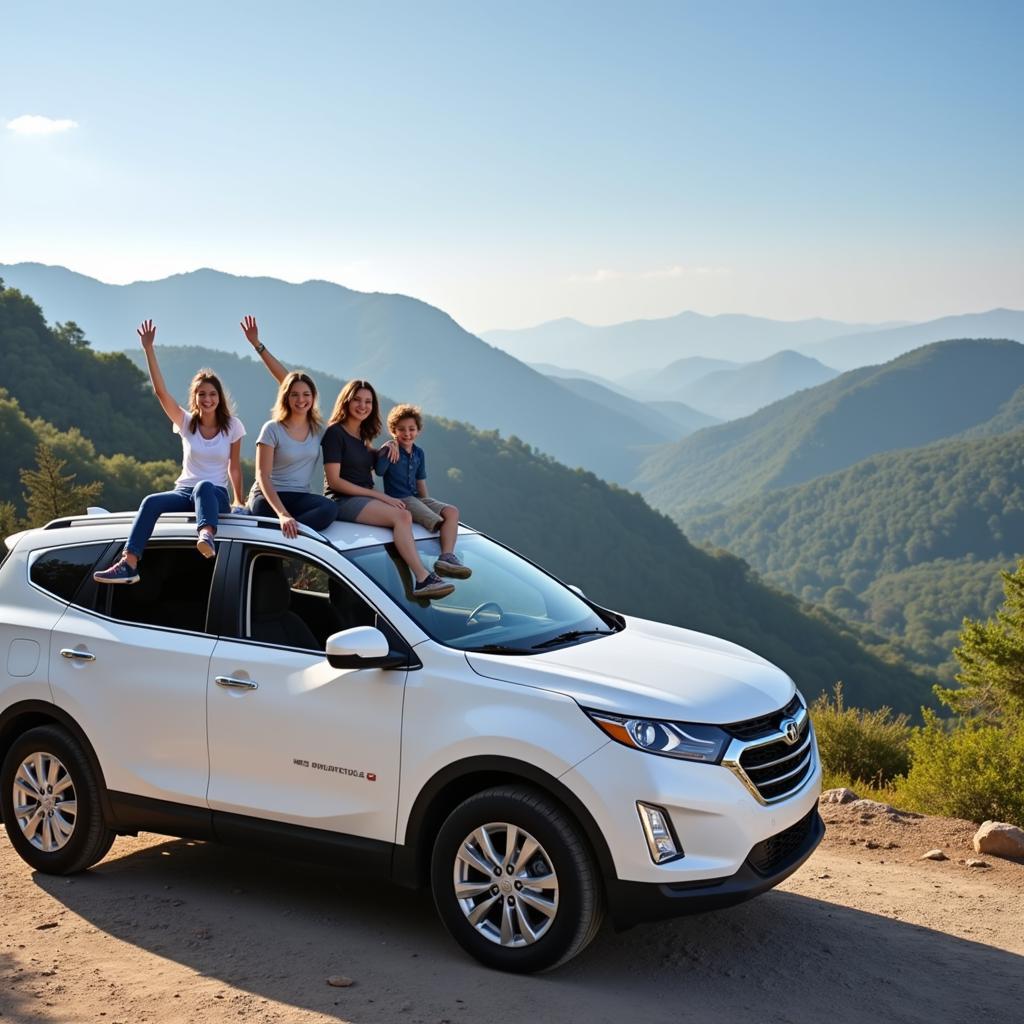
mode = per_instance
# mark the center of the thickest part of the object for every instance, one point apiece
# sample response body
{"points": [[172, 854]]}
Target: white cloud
{"points": [[659, 273], [36, 124]]}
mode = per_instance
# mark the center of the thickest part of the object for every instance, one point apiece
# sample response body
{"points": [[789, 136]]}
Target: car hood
{"points": [[654, 671]]}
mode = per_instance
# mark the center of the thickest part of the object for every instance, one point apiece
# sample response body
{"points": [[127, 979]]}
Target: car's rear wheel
{"points": [[51, 803], [514, 880]]}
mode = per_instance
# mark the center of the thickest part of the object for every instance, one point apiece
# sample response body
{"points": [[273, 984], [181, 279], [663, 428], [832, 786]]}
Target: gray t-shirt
{"points": [[294, 461]]}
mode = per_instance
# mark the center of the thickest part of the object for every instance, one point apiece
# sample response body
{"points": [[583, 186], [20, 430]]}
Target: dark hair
{"points": [[223, 412], [370, 427]]}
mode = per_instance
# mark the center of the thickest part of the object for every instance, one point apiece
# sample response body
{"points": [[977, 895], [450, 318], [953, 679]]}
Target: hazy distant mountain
{"points": [[619, 349], [732, 393], [550, 370], [670, 380], [661, 426], [935, 392], [878, 346], [410, 350]]}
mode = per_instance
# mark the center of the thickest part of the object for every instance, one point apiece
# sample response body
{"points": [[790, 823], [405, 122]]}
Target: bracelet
{"points": [[262, 348]]}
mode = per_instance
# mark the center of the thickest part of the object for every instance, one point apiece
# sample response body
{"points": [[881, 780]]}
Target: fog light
{"points": [[661, 839]]}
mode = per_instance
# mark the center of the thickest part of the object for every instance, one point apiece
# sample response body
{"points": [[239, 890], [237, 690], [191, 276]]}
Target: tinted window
{"points": [[173, 590], [297, 603], [63, 571]]}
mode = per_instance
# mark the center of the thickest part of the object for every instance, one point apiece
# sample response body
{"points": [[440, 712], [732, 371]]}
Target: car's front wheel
{"points": [[51, 803], [514, 880]]}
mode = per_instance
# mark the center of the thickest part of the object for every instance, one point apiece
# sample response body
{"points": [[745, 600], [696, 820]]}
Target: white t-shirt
{"points": [[203, 459]]}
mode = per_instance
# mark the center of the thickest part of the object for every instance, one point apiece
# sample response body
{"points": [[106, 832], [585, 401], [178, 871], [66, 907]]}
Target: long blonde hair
{"points": [[280, 412]]}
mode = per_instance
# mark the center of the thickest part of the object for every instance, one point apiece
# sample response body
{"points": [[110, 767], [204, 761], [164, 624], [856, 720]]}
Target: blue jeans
{"points": [[206, 499], [312, 510]]}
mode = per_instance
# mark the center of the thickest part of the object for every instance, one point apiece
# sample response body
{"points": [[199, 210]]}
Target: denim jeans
{"points": [[206, 499], [312, 510]]}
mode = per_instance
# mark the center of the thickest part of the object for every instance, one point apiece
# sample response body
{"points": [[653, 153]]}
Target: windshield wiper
{"points": [[497, 649], [572, 634]]}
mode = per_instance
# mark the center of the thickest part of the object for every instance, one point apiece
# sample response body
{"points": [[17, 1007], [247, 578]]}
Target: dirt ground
{"points": [[169, 930]]}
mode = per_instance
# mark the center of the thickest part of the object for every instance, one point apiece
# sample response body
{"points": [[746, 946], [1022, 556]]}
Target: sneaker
{"points": [[205, 545], [432, 586], [451, 565], [119, 572]]}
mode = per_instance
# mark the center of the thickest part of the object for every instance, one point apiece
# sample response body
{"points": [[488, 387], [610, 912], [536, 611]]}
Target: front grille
{"points": [[773, 853], [752, 728], [769, 766]]}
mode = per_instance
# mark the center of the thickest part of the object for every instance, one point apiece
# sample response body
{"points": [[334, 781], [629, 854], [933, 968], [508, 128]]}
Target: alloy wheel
{"points": [[45, 804], [505, 884]]}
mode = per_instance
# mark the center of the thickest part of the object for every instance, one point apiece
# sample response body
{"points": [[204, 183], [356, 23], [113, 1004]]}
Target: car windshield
{"points": [[507, 606]]}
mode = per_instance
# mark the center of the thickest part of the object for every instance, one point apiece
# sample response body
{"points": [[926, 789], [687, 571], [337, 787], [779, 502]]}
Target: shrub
{"points": [[860, 745], [975, 771]]}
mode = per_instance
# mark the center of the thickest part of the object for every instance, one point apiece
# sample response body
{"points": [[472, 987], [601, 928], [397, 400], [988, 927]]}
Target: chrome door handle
{"points": [[71, 653], [235, 684]]}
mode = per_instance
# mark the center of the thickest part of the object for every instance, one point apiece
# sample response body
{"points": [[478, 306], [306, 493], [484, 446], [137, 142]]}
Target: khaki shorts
{"points": [[425, 511]]}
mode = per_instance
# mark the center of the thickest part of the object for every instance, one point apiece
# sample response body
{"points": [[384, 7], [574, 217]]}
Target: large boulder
{"points": [[838, 796], [1000, 839]]}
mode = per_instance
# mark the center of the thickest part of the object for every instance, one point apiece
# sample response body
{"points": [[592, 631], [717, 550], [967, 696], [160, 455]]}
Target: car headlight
{"points": [[685, 740]]}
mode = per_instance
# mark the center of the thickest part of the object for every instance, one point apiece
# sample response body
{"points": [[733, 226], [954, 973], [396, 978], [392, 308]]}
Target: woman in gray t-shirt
{"points": [[287, 451]]}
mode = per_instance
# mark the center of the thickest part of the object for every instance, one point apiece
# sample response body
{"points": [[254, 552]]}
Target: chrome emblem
{"points": [[790, 730]]}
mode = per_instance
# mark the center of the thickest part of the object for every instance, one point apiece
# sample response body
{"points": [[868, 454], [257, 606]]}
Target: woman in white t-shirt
{"points": [[211, 442]]}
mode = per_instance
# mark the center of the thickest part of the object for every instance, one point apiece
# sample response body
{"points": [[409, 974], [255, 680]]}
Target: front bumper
{"points": [[767, 864]]}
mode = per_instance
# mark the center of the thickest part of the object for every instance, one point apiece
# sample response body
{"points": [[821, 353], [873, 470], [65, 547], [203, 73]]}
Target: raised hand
{"points": [[147, 333], [251, 331]]}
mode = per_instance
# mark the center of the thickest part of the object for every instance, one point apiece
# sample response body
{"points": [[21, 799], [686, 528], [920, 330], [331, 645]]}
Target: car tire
{"points": [[514, 880], [51, 803]]}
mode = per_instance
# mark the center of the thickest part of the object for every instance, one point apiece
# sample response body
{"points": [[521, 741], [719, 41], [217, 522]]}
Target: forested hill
{"points": [[929, 394], [906, 542], [54, 373], [600, 537]]}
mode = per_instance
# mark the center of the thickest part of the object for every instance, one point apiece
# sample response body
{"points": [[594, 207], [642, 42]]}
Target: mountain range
{"points": [[627, 353], [598, 536], [932, 393], [407, 348], [618, 349]]}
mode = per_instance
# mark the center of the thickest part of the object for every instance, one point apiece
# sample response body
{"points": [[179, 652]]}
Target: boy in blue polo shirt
{"points": [[403, 467]]}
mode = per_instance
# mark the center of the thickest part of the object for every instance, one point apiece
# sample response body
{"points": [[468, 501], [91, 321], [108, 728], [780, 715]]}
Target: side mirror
{"points": [[362, 647], [576, 590]]}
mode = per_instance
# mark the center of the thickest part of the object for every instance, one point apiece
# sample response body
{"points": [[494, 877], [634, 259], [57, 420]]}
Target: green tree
{"points": [[69, 333], [50, 494], [9, 521], [991, 656]]}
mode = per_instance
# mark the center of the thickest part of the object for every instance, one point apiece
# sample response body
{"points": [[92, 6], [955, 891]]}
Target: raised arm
{"points": [[147, 335], [252, 335]]}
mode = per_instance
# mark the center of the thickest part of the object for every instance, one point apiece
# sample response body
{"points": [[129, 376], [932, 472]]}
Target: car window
{"points": [[507, 602], [173, 589], [62, 571], [294, 602]]}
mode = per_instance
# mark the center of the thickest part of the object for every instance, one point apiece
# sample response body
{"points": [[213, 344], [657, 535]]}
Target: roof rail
{"points": [[234, 519]]}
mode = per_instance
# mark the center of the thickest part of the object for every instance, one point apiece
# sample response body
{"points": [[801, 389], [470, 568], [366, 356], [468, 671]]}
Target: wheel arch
{"points": [[454, 783], [19, 718]]}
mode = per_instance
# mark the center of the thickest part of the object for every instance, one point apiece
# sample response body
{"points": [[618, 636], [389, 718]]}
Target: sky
{"points": [[515, 163]]}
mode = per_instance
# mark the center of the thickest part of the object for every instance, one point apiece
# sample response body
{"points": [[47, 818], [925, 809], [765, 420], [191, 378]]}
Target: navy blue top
{"points": [[400, 477], [354, 458]]}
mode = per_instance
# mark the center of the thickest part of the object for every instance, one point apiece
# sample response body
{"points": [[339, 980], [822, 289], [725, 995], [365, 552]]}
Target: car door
{"points": [[130, 664], [291, 738]]}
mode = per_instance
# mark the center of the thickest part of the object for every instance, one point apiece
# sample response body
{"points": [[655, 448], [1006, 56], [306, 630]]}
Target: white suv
{"points": [[535, 758]]}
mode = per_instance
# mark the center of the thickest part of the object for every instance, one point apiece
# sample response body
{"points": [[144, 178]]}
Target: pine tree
{"points": [[50, 494], [9, 521], [991, 656]]}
